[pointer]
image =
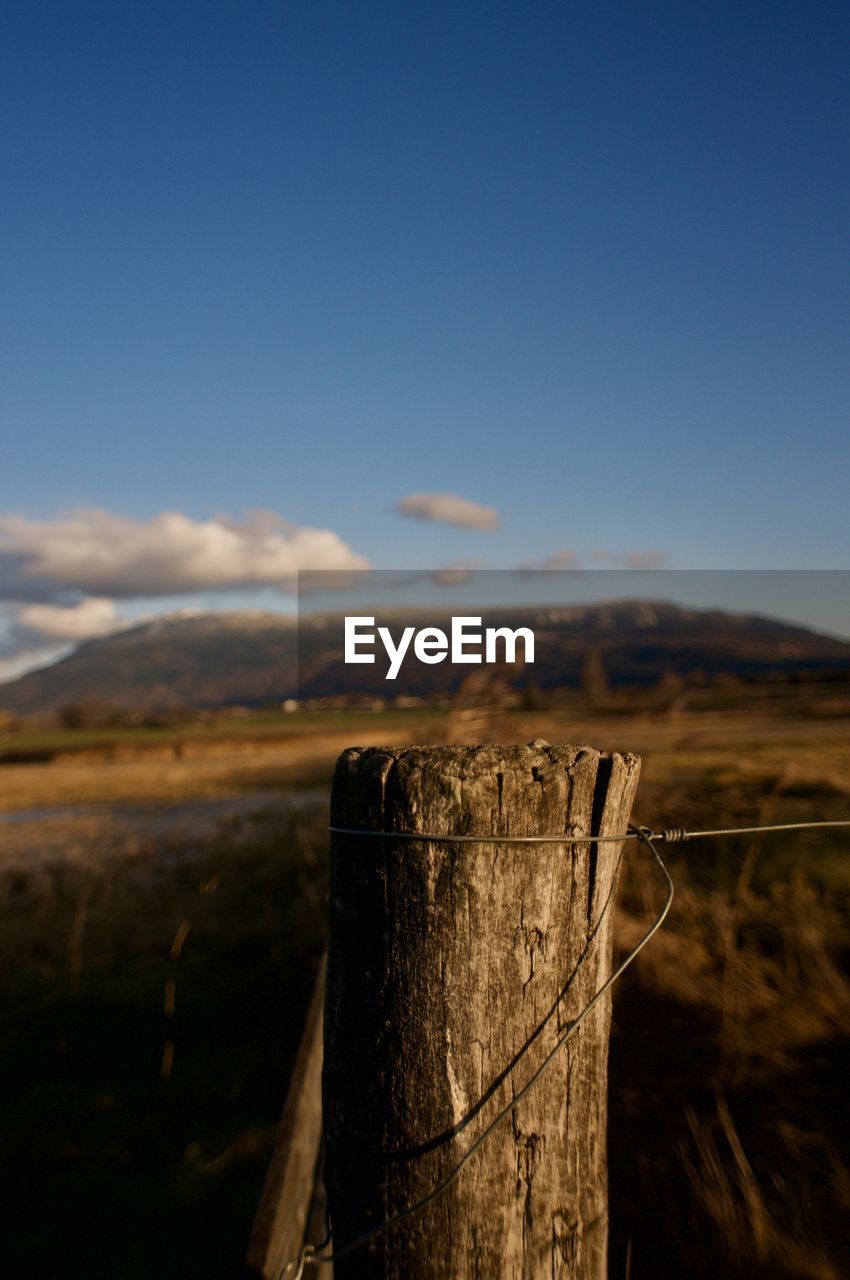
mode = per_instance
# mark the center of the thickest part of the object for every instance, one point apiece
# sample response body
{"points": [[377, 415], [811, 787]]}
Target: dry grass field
{"points": [[163, 909]]}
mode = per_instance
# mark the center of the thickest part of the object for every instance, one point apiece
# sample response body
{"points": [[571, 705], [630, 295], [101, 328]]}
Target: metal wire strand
{"points": [[670, 835], [310, 1254], [294, 1269]]}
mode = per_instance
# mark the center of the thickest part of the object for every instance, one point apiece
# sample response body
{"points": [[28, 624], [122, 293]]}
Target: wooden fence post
{"points": [[283, 1213], [444, 960]]}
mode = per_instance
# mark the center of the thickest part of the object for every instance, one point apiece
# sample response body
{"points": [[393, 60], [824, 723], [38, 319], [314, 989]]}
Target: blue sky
{"points": [[584, 265]]}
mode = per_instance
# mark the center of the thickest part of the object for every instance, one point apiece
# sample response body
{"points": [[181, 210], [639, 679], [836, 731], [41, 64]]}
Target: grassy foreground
{"points": [[134, 1143], [154, 984]]}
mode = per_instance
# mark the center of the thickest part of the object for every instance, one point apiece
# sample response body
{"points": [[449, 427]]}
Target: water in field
{"points": [[198, 812], [172, 828]]}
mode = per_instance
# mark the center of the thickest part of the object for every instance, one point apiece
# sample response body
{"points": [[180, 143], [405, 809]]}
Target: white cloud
{"points": [[651, 559], [33, 634], [453, 575], [98, 553], [92, 617], [20, 663], [565, 558], [645, 559], [449, 508]]}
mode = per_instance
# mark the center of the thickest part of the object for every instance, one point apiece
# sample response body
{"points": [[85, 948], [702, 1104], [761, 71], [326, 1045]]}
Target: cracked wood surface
{"points": [[444, 960]]}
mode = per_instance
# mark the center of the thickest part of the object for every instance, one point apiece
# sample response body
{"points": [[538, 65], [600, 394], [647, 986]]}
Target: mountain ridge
{"points": [[249, 657]]}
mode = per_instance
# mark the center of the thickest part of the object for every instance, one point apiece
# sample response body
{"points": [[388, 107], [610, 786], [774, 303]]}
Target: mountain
{"points": [[252, 658], [633, 642], [205, 660]]}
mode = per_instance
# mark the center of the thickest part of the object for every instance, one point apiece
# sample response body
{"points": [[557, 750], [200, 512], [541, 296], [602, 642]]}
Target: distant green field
{"points": [[39, 743]]}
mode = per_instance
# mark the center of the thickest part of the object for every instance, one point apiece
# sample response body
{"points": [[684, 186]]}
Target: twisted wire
{"points": [[670, 835]]}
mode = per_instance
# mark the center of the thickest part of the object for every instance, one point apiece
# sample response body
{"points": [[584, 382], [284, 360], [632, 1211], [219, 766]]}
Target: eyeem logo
{"points": [[431, 645]]}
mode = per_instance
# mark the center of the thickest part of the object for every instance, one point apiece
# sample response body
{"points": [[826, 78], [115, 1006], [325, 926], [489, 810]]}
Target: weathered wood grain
{"points": [[444, 960], [278, 1230]]}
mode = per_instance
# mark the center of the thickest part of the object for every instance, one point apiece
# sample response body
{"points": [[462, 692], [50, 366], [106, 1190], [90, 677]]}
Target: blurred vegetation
{"points": [[109, 1169], [729, 1140], [111, 732]]}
